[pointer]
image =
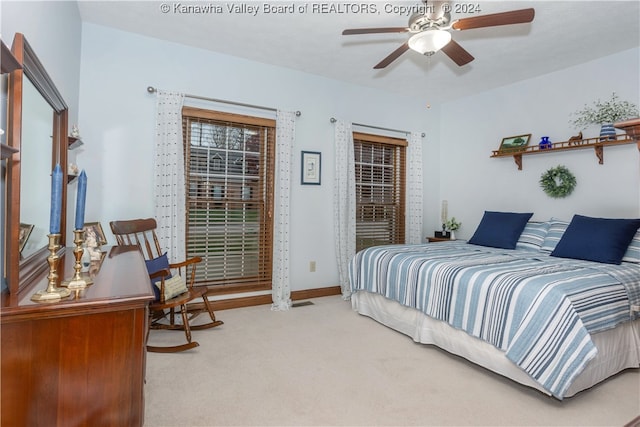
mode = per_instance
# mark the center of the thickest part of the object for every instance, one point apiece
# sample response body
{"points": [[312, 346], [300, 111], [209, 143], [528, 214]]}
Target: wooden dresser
{"points": [[79, 361]]}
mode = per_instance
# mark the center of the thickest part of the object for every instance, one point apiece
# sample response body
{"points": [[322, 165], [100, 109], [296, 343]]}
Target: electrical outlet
{"points": [[312, 266]]}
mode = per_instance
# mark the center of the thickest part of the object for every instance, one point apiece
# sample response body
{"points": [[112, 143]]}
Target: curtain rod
{"points": [[152, 89], [333, 120]]}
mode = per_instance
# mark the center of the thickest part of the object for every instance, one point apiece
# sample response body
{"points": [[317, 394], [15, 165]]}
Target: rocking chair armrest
{"points": [[160, 273], [187, 262], [187, 269]]}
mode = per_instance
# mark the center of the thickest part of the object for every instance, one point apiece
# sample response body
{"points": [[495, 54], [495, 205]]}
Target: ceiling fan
{"points": [[430, 30]]}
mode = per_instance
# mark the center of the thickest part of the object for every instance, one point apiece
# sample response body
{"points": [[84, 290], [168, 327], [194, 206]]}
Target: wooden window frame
{"points": [[397, 227], [263, 281]]}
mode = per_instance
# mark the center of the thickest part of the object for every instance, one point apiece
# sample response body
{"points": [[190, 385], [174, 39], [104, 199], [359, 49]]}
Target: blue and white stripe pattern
{"points": [[538, 309], [533, 235], [633, 251]]}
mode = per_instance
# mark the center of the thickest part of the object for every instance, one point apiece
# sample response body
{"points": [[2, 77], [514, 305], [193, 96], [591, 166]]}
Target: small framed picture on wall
{"points": [[311, 168]]}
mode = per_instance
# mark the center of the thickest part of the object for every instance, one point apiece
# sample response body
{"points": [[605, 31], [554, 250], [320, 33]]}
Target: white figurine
{"points": [[75, 132]]}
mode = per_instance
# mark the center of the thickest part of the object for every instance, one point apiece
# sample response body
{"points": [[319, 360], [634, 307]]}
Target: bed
{"points": [[557, 309]]}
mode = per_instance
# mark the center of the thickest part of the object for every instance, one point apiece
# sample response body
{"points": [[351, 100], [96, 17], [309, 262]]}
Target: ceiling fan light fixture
{"points": [[430, 41]]}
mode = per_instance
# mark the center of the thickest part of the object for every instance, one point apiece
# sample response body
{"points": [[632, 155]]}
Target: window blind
{"points": [[229, 162], [380, 189]]}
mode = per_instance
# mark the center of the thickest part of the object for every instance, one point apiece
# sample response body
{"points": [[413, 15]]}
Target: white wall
{"points": [[53, 30], [118, 116], [474, 126]]}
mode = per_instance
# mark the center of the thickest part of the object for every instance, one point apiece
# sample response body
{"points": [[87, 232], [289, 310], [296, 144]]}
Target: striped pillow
{"points": [[554, 234], [633, 251], [532, 236], [173, 287]]}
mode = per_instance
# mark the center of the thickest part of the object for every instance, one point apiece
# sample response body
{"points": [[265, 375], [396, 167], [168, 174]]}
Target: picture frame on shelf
{"points": [[25, 232], [311, 168], [96, 229], [514, 143]]}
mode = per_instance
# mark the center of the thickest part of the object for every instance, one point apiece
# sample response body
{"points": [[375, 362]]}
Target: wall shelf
{"points": [[6, 151], [596, 143], [74, 142], [8, 62]]}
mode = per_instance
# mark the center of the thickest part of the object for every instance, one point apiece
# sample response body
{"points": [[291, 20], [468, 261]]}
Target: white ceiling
{"points": [[563, 33]]}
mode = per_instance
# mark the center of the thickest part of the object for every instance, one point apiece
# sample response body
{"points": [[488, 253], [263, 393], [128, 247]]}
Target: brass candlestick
{"points": [[52, 293], [78, 281]]}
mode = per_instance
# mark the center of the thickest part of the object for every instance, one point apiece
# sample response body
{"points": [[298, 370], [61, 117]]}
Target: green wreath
{"points": [[558, 182]]}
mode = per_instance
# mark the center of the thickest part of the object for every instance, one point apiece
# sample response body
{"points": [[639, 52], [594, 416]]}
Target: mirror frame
{"points": [[20, 273]]}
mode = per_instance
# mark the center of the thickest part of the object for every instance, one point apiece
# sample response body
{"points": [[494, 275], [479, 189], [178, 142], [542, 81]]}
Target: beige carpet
{"points": [[324, 364]]}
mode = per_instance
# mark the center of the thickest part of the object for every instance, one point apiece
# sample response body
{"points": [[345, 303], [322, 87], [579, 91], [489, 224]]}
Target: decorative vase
{"points": [[607, 131], [544, 143], [452, 236]]}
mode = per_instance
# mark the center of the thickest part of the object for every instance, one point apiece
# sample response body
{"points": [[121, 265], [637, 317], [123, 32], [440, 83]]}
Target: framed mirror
{"points": [[37, 128]]}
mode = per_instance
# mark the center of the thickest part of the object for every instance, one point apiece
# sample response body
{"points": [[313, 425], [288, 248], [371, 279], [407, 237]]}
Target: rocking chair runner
{"points": [[141, 233]]}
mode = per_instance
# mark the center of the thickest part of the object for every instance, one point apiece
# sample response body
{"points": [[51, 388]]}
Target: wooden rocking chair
{"points": [[179, 290]]}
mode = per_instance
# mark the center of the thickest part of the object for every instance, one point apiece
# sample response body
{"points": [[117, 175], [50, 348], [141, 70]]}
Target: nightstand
{"points": [[438, 239]]}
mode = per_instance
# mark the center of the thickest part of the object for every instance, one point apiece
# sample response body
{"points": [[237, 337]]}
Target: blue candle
{"points": [[81, 201], [56, 200]]}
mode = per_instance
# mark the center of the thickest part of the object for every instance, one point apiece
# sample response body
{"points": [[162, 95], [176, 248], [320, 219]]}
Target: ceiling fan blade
{"points": [[374, 30], [393, 56], [504, 18], [457, 53]]}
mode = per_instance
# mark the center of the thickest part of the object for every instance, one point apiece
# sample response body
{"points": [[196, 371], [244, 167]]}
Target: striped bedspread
{"points": [[538, 309]]}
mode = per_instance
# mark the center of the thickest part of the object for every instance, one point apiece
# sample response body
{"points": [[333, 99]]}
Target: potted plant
{"points": [[605, 114], [452, 225]]}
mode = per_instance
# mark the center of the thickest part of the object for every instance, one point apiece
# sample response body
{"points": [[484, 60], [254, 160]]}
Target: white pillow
{"points": [[173, 287]]}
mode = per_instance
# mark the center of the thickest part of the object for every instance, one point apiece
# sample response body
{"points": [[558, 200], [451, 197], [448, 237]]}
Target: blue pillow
{"points": [[597, 239], [155, 265], [500, 229]]}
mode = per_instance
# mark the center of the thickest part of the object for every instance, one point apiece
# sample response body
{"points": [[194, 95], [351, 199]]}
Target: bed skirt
{"points": [[618, 349]]}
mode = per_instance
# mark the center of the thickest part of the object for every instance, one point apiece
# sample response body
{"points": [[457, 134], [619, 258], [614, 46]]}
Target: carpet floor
{"points": [[325, 365]]}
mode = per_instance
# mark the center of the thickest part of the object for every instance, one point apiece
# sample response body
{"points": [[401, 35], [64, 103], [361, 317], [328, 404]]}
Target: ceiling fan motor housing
{"points": [[420, 22]]}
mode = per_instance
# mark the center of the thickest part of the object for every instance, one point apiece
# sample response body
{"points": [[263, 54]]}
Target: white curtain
{"points": [[169, 175], [414, 190], [344, 203], [285, 136]]}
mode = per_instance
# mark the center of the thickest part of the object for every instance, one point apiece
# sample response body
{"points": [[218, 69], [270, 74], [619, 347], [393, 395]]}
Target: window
{"points": [[380, 190], [229, 168]]}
